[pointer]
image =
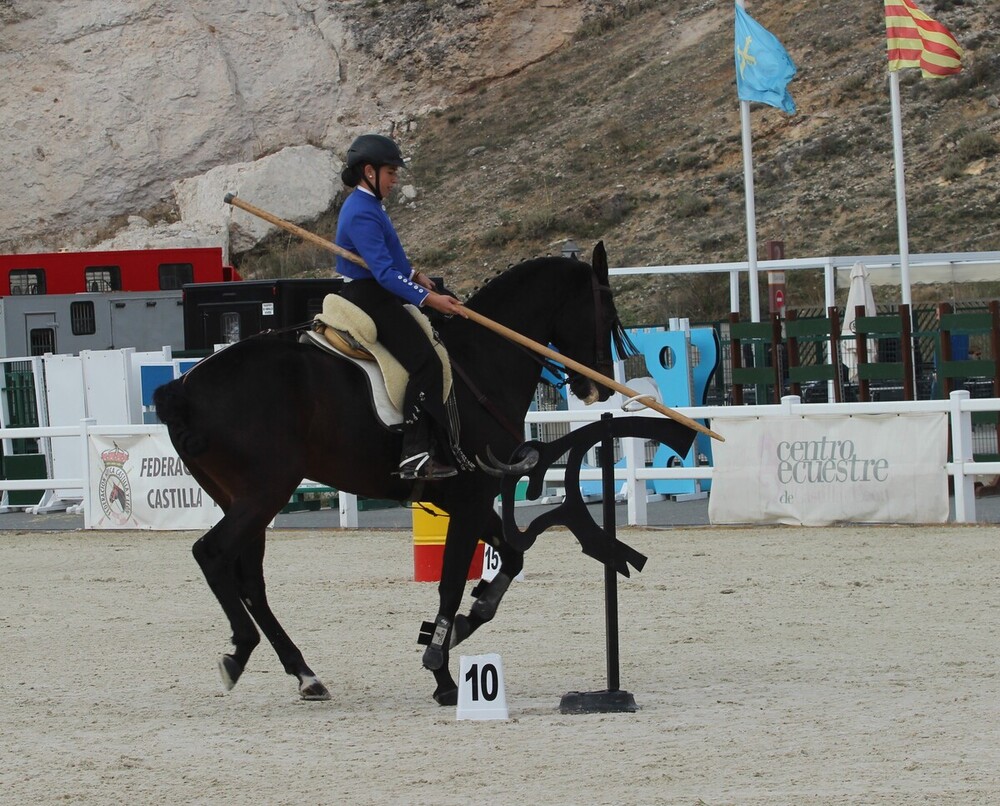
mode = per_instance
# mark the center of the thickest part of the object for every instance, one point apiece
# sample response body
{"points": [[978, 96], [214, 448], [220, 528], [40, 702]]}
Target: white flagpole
{"points": [[897, 149], [751, 214]]}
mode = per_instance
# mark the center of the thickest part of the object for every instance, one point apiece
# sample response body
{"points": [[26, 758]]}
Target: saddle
{"points": [[344, 329]]}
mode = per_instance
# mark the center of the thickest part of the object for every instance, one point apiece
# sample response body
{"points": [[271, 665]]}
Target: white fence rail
{"points": [[959, 408]]}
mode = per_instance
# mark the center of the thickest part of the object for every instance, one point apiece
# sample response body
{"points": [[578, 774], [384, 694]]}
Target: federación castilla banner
{"points": [[138, 482], [815, 471]]}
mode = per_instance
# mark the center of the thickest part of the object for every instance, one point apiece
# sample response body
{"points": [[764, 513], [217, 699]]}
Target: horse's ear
{"points": [[600, 263]]}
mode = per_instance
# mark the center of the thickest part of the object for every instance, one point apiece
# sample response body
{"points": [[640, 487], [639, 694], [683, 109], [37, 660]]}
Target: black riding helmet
{"points": [[370, 149]]}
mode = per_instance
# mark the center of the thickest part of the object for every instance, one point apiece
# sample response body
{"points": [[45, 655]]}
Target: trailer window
{"points": [[175, 275], [42, 340], [230, 326], [82, 319], [27, 281], [102, 278]]}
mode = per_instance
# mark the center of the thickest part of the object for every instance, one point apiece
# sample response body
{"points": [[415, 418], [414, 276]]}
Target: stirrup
{"points": [[422, 466]]}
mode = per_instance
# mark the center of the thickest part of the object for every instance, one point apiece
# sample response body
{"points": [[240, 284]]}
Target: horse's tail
{"points": [[174, 411]]}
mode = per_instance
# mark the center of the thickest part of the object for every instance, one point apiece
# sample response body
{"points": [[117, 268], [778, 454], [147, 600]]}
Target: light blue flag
{"points": [[763, 67]]}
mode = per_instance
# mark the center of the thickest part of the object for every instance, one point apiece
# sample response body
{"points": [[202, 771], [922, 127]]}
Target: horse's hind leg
{"points": [[218, 565], [219, 553], [464, 527], [252, 592]]}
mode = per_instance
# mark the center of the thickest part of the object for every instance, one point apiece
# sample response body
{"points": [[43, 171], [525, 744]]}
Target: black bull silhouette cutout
{"points": [[573, 512], [534, 458]]}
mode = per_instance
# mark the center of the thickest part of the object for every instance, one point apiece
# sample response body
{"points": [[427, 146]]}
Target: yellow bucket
{"points": [[429, 532]]}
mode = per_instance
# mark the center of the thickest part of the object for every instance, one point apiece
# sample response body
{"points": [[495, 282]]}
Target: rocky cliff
{"points": [[104, 104]]}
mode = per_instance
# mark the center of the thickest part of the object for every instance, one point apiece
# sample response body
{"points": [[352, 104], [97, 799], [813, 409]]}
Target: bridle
{"points": [[604, 320], [603, 357], [601, 353]]}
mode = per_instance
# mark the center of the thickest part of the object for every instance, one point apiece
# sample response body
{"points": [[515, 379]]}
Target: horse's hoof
{"points": [[230, 671], [448, 696], [461, 630], [312, 689], [433, 658]]}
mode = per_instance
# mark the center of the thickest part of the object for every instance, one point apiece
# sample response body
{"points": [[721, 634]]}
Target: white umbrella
{"points": [[860, 293]]}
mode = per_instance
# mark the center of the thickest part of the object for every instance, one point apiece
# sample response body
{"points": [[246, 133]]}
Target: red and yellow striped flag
{"points": [[915, 40]]}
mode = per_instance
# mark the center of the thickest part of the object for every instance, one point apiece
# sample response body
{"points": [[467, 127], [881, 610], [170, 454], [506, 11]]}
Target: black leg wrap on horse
{"points": [[485, 607], [434, 655], [426, 631]]}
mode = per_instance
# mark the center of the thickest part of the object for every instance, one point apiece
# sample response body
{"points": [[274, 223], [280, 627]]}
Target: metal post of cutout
{"points": [[612, 699], [600, 543]]}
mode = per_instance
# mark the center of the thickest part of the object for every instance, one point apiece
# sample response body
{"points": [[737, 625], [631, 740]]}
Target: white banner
{"points": [[814, 471], [138, 482]]}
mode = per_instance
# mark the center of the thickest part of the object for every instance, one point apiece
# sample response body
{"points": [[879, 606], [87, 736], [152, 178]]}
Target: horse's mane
{"points": [[507, 285], [510, 283]]}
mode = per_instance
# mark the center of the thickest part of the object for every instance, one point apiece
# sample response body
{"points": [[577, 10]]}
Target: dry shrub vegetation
{"points": [[631, 134]]}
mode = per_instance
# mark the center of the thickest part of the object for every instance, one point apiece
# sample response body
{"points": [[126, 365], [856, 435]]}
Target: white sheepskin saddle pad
{"points": [[387, 378]]}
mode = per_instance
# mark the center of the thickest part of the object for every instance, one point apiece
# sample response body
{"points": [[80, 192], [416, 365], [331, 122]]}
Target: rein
{"points": [[486, 403], [289, 329]]}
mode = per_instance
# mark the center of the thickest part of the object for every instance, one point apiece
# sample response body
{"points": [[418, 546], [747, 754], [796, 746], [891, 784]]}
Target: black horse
{"points": [[256, 418]]}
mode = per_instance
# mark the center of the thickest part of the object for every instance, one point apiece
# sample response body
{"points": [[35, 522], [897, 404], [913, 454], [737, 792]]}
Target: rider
{"points": [[372, 168]]}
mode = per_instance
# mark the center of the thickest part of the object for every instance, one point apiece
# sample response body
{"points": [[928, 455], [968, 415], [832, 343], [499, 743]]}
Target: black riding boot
{"points": [[417, 460]]}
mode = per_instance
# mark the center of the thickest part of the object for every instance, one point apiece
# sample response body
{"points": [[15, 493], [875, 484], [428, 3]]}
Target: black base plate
{"points": [[597, 702]]}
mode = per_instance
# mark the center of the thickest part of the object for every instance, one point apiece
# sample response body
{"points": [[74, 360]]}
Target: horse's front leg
{"points": [[488, 594], [459, 547]]}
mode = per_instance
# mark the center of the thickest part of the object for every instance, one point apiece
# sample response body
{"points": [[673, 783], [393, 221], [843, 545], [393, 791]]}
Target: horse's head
{"points": [[587, 330], [551, 300]]}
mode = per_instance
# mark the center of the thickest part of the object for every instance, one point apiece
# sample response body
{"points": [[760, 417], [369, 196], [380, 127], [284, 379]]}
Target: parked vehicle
{"points": [[65, 302], [107, 271]]}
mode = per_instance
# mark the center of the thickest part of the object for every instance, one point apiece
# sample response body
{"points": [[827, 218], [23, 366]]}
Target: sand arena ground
{"points": [[854, 665]]}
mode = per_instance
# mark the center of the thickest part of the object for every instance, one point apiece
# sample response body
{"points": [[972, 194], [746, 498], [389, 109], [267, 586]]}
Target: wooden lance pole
{"points": [[488, 323]]}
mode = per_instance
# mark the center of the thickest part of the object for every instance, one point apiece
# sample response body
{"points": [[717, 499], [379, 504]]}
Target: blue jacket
{"points": [[364, 228]]}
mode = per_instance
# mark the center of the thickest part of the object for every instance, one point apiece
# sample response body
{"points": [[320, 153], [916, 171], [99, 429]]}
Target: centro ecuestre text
{"points": [[169, 497], [827, 461]]}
